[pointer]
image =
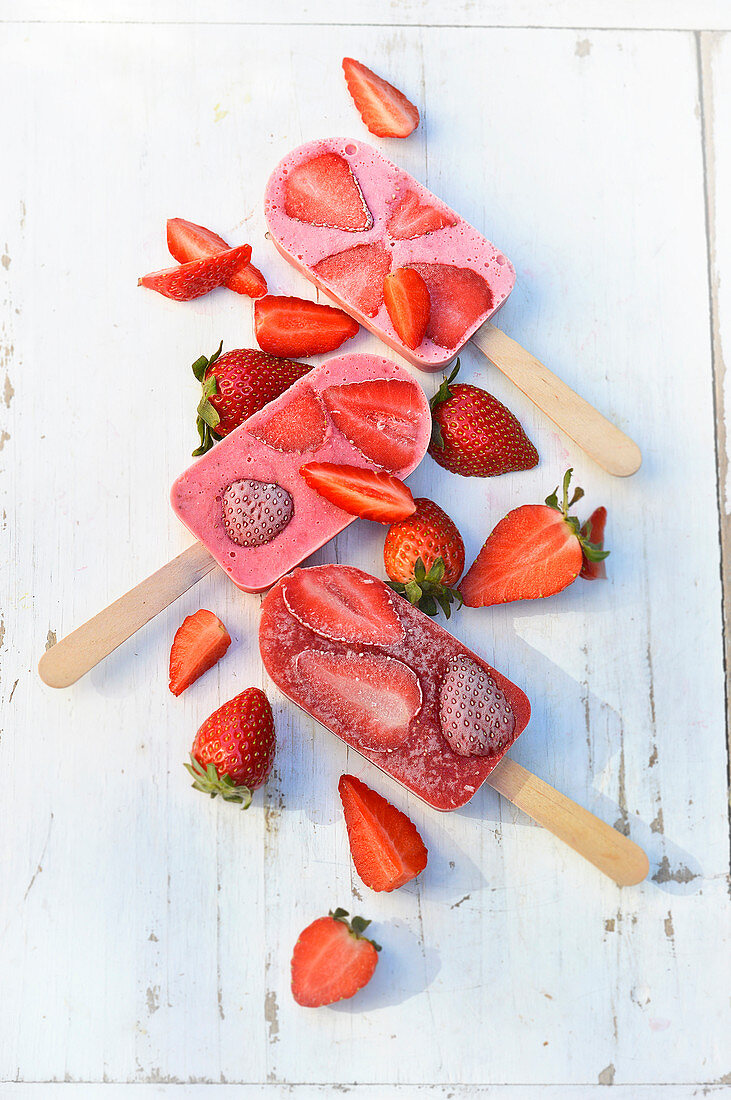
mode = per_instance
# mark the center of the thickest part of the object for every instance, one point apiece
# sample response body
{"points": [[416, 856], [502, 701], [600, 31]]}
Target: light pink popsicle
{"points": [[296, 520], [390, 196]]}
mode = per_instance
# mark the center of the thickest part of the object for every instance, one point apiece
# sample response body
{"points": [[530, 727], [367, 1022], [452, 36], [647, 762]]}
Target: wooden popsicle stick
{"points": [[612, 852], [603, 441], [81, 650]]}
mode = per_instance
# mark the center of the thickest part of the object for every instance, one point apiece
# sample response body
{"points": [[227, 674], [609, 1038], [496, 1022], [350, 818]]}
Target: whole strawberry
{"points": [[533, 552], [332, 960], [233, 751], [424, 557], [475, 435], [235, 386]]}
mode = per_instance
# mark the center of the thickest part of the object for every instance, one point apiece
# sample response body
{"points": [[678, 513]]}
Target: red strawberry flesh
{"points": [[385, 845], [476, 717], [192, 280], [413, 217], [356, 276], [408, 304], [384, 109], [370, 494], [300, 426], [531, 553], [341, 604], [200, 641], [372, 697], [379, 417], [459, 299], [288, 326], [188, 241], [323, 191], [330, 964], [593, 532]]}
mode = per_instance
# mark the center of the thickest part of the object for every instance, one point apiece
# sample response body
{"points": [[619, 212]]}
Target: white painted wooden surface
{"points": [[145, 933]]}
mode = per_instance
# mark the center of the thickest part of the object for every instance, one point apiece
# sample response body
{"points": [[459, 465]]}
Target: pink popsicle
{"points": [[388, 680], [245, 499], [369, 218]]}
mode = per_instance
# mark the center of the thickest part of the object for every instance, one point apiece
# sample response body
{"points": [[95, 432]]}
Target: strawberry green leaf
{"points": [[207, 780]]}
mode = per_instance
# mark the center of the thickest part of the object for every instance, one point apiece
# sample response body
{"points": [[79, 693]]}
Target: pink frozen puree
{"points": [[383, 186], [197, 495], [424, 762]]}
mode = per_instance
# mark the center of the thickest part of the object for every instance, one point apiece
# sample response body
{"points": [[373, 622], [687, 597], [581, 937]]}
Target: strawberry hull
{"points": [[206, 497], [384, 187], [422, 761]]}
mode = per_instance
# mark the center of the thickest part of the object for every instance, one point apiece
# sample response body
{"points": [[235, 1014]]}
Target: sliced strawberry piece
{"points": [[413, 217], [188, 241], [385, 845], [531, 553], [593, 532], [255, 512], [475, 716], [459, 299], [323, 191], [198, 277], [288, 327], [342, 604], [379, 417], [370, 697], [370, 494], [356, 275], [332, 960], [300, 426], [408, 304], [384, 109], [199, 642]]}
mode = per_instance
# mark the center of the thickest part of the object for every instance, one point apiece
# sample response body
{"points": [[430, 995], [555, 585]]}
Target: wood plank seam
{"points": [[704, 46]]}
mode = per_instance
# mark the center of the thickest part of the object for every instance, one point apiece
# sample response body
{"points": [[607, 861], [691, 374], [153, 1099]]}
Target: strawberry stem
{"points": [[356, 926], [591, 551], [425, 589], [208, 418], [207, 780]]}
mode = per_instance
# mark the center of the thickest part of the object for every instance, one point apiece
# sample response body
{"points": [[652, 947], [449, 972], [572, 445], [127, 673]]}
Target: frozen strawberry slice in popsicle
{"points": [[369, 217], [419, 705], [246, 500]]}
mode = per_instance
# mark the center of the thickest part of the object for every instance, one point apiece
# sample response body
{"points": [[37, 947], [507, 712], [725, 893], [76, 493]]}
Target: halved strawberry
{"points": [[287, 326], [200, 641], [593, 532], [535, 551], [459, 298], [199, 277], [300, 426], [188, 241], [413, 217], [323, 191], [356, 275], [475, 715], [370, 494], [385, 845], [384, 109], [343, 604], [368, 696], [332, 960], [379, 417], [408, 304]]}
